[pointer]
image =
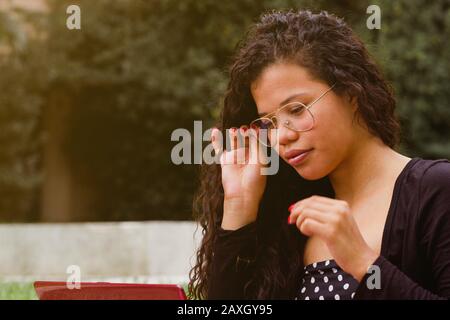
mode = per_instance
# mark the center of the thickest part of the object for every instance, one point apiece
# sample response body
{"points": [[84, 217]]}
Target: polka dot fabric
{"points": [[325, 280]]}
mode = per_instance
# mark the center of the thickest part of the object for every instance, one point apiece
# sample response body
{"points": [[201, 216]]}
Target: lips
{"points": [[294, 157]]}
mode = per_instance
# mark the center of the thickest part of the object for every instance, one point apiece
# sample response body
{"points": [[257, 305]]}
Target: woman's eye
{"points": [[266, 124], [263, 123], [296, 110]]}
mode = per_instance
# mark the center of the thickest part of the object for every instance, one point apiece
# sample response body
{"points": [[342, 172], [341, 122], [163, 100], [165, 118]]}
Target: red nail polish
{"points": [[244, 129], [291, 206]]}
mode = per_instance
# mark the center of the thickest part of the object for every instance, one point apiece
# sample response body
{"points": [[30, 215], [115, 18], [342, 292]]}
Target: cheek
{"points": [[333, 131], [332, 138]]}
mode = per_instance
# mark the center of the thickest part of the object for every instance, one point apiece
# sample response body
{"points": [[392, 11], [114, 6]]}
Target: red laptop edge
{"points": [[56, 290]]}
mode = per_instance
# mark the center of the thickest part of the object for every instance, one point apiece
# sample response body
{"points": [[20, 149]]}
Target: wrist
{"points": [[238, 212], [242, 205], [363, 264]]}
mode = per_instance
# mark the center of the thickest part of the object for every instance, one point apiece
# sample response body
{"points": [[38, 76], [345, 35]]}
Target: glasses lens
{"points": [[296, 116], [265, 127], [263, 123]]}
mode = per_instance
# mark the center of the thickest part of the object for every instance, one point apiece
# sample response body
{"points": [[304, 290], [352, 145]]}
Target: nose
{"points": [[286, 135]]}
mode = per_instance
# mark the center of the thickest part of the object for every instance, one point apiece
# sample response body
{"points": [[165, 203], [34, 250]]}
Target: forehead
{"points": [[278, 82]]}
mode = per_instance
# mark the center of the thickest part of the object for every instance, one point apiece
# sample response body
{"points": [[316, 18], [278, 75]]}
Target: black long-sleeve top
{"points": [[414, 260]]}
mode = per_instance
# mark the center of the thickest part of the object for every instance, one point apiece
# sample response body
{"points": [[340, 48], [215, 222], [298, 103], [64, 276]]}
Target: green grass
{"points": [[25, 291], [17, 291]]}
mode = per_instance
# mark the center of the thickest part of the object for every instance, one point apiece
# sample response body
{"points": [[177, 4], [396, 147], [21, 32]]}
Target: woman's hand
{"points": [[242, 180], [332, 221]]}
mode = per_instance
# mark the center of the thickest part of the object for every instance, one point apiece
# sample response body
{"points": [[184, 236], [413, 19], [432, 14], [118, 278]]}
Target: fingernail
{"points": [[289, 219], [291, 206], [244, 129]]}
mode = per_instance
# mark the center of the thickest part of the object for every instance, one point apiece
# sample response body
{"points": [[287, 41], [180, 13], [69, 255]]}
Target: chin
{"points": [[309, 173], [311, 170]]}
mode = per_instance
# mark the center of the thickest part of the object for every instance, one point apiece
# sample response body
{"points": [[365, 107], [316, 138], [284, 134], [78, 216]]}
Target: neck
{"points": [[366, 170]]}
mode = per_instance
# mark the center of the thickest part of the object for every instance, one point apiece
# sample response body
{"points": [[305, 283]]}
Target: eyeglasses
{"points": [[294, 115]]}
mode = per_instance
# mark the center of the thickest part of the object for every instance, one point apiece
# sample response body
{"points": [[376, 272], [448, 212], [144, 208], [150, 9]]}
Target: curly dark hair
{"points": [[328, 48]]}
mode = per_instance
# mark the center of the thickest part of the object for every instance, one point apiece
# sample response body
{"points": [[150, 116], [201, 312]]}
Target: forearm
{"points": [[394, 285], [233, 263]]}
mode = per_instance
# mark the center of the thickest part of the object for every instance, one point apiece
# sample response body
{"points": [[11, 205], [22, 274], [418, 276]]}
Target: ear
{"points": [[353, 103]]}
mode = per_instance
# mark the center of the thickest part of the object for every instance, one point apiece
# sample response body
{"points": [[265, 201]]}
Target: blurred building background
{"points": [[86, 115]]}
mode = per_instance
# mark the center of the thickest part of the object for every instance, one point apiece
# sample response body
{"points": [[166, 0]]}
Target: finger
{"points": [[334, 205], [246, 135], [233, 138], [319, 202], [216, 140], [241, 155], [242, 152], [217, 143], [293, 215], [302, 205], [233, 143], [236, 156], [290, 208], [320, 216], [243, 131], [263, 148], [310, 227], [255, 146], [300, 215], [263, 136]]}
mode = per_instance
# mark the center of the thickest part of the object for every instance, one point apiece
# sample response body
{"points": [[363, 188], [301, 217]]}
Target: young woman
{"points": [[346, 216]]}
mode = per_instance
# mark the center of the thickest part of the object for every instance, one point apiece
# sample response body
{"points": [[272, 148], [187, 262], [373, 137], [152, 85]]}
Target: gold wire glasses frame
{"points": [[299, 117]]}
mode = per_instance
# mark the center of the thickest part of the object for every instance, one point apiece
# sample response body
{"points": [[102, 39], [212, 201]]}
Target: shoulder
{"points": [[433, 199], [433, 187], [423, 177], [435, 176]]}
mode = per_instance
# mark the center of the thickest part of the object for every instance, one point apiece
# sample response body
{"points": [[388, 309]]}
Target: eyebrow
{"points": [[284, 102]]}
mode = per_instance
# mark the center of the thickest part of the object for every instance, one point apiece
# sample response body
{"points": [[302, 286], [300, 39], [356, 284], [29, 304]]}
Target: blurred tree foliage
{"points": [[22, 89], [137, 70], [414, 50]]}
